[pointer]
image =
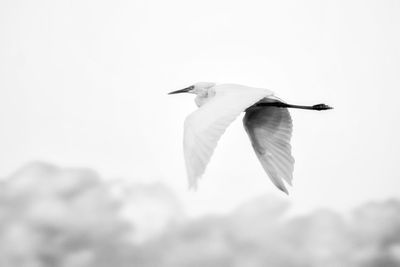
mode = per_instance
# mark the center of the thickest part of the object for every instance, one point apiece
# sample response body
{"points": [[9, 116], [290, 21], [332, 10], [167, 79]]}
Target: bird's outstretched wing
{"points": [[270, 131], [204, 127]]}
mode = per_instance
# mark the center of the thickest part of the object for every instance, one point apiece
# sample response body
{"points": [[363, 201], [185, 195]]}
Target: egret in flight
{"points": [[267, 122]]}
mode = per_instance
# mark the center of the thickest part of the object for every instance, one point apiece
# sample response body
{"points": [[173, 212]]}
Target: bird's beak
{"points": [[185, 90]]}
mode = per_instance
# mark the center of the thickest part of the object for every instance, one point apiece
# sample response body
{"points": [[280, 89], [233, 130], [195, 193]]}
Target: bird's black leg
{"points": [[318, 107]]}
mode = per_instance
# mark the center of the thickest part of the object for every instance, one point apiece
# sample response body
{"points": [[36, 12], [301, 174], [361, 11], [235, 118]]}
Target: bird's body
{"points": [[267, 122]]}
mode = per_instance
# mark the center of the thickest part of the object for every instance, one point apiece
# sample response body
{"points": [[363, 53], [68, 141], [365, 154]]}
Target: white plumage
{"points": [[267, 122]]}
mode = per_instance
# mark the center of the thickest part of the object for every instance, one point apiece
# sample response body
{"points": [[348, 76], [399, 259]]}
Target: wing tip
{"points": [[192, 183], [192, 187], [283, 189]]}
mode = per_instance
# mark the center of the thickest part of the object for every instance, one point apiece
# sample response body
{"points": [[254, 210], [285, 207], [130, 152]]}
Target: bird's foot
{"points": [[321, 107]]}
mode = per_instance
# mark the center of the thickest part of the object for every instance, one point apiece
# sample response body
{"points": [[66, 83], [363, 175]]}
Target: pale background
{"points": [[91, 164], [84, 83]]}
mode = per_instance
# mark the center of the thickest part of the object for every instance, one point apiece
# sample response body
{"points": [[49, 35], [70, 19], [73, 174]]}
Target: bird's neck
{"points": [[204, 97], [201, 100]]}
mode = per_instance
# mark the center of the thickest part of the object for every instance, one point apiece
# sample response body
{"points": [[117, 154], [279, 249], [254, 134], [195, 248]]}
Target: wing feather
{"points": [[204, 127], [270, 131]]}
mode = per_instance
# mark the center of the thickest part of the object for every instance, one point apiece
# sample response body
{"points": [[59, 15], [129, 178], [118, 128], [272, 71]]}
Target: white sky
{"points": [[84, 83]]}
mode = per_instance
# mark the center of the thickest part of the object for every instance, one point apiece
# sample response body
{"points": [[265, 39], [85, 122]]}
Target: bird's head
{"points": [[200, 88]]}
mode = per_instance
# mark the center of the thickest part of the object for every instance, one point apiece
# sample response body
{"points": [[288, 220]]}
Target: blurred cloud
{"points": [[58, 217], [151, 209], [50, 216]]}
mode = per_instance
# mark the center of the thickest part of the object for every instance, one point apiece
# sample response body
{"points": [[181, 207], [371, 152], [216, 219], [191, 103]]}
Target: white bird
{"points": [[267, 122]]}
